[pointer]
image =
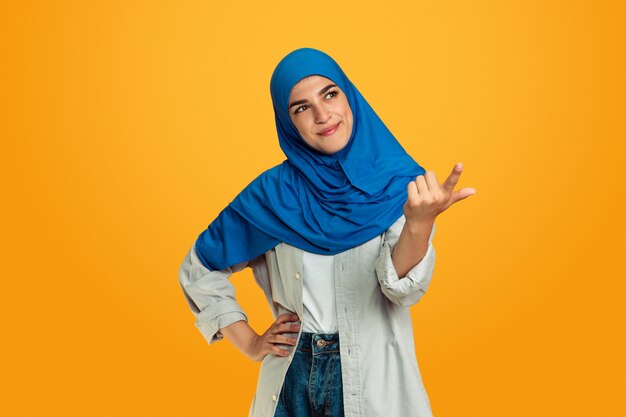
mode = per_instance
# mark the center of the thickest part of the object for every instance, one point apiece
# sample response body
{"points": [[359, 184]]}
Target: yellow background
{"points": [[127, 126]]}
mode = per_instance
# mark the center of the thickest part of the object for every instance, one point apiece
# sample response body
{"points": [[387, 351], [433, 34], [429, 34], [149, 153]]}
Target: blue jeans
{"points": [[313, 386]]}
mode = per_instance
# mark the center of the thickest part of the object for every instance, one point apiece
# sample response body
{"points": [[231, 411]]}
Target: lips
{"points": [[329, 131]]}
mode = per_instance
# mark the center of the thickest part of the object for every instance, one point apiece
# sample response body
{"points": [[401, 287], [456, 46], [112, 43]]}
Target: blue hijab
{"points": [[321, 203]]}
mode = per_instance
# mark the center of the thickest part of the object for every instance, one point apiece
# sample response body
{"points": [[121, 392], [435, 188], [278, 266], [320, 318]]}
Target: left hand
{"points": [[427, 198]]}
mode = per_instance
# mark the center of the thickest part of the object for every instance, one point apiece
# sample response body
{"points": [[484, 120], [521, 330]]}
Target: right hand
{"points": [[264, 344]]}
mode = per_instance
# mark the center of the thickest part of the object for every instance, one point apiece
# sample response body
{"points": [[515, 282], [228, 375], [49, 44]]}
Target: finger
{"points": [[284, 318], [284, 340], [433, 185], [422, 188], [278, 351], [453, 178], [431, 181], [412, 191], [288, 328], [461, 194]]}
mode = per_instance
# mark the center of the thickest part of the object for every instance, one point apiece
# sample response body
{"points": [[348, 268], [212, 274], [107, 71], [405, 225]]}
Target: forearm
{"points": [[255, 346], [411, 246], [241, 335]]}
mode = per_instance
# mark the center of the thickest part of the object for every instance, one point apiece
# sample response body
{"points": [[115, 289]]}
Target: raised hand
{"points": [[427, 198]]}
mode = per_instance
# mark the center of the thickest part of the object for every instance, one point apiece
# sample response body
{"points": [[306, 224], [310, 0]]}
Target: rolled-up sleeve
{"points": [[408, 290], [210, 295]]}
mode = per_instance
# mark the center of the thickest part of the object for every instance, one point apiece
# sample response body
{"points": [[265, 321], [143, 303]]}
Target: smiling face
{"points": [[320, 111]]}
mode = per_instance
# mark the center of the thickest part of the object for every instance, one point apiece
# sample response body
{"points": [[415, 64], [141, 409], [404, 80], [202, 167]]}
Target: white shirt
{"points": [[318, 294]]}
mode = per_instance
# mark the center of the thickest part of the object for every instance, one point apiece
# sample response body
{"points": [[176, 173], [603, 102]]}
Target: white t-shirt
{"points": [[319, 314]]}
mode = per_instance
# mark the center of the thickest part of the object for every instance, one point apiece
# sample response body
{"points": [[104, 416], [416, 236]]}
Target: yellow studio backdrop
{"points": [[127, 126]]}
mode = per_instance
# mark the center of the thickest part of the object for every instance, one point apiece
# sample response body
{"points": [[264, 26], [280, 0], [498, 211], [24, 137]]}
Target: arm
{"points": [[211, 297], [411, 246], [426, 199], [406, 289], [413, 253], [255, 346]]}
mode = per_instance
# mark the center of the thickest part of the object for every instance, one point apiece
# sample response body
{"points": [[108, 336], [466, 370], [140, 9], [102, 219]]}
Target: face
{"points": [[320, 111]]}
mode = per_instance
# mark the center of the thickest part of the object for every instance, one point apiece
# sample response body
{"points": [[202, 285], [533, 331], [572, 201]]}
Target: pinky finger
{"points": [[278, 351], [412, 193]]}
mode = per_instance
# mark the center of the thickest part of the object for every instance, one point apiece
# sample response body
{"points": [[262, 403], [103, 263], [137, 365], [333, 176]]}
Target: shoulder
{"points": [[270, 179]]}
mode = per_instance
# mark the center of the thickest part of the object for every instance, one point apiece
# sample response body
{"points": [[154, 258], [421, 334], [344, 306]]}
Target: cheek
{"points": [[348, 114], [304, 120], [301, 127], [347, 111], [349, 123]]}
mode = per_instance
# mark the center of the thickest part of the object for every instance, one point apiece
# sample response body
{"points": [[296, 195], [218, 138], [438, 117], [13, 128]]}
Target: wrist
{"points": [[419, 227], [242, 336]]}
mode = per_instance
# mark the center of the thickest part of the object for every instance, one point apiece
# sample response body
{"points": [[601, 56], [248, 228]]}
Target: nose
{"points": [[322, 114]]}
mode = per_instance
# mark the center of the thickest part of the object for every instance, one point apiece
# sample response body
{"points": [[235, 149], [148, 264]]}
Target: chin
{"points": [[334, 149]]}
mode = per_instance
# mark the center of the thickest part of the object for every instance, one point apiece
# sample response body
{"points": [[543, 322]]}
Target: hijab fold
{"points": [[320, 203]]}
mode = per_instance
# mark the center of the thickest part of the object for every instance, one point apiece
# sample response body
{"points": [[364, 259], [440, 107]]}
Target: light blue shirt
{"points": [[380, 373]]}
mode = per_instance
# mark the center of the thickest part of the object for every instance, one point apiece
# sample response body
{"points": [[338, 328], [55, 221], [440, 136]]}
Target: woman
{"points": [[339, 237]]}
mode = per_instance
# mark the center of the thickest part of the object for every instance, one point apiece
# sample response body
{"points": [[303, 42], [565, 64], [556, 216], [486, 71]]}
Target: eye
{"points": [[328, 96], [300, 109]]}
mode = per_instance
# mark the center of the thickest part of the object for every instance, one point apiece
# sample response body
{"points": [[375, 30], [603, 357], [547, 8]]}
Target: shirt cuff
{"points": [[216, 317], [408, 290]]}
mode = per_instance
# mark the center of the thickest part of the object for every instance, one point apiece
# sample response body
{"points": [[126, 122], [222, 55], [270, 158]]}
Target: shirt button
{"points": [[297, 275], [274, 397]]}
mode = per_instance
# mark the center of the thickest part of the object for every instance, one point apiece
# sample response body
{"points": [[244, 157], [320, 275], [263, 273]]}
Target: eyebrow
{"points": [[322, 91]]}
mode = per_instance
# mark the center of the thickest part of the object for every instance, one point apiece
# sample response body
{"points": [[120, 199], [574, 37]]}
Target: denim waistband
{"points": [[318, 343]]}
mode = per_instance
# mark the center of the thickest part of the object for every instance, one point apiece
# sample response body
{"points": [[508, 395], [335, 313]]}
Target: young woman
{"points": [[339, 237]]}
